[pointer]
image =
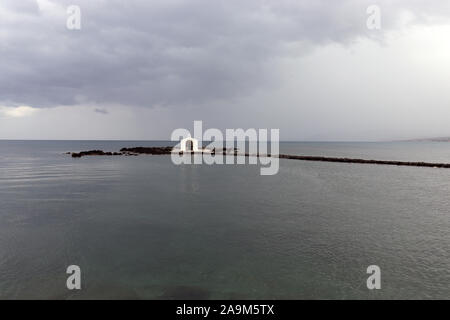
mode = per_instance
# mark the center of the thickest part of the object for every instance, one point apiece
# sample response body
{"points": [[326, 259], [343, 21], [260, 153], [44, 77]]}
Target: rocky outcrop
{"points": [[124, 151], [94, 153], [148, 150]]}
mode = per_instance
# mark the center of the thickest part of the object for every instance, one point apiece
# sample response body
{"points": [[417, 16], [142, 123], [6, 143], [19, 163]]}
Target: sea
{"points": [[141, 227]]}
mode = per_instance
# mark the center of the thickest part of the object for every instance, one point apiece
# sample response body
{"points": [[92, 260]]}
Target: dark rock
{"points": [[148, 150], [93, 153], [363, 161]]}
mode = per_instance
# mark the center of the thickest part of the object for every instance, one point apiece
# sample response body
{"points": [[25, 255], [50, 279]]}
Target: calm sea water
{"points": [[142, 228]]}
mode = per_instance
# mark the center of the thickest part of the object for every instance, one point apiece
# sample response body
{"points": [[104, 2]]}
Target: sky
{"points": [[139, 69]]}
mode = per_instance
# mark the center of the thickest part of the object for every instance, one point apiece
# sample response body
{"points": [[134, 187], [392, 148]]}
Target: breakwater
{"points": [[168, 150]]}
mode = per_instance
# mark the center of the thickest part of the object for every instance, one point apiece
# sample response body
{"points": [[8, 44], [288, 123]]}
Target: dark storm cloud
{"points": [[148, 53]]}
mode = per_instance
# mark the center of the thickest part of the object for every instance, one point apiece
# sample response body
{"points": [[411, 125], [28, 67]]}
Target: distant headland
{"points": [[436, 139]]}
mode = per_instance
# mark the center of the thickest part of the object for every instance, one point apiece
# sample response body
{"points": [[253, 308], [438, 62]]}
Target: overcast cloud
{"points": [[232, 63]]}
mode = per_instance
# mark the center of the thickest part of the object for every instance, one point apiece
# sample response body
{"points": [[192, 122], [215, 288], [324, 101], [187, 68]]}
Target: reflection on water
{"points": [[142, 228]]}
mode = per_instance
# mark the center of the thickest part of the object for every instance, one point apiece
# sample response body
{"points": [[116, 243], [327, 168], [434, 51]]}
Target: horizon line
{"points": [[285, 141]]}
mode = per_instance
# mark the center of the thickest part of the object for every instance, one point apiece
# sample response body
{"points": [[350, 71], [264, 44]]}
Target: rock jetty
{"points": [[382, 162], [94, 153], [168, 150], [147, 150]]}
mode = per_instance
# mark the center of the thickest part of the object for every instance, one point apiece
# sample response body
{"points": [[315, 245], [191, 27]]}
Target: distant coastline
{"points": [[437, 139]]}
